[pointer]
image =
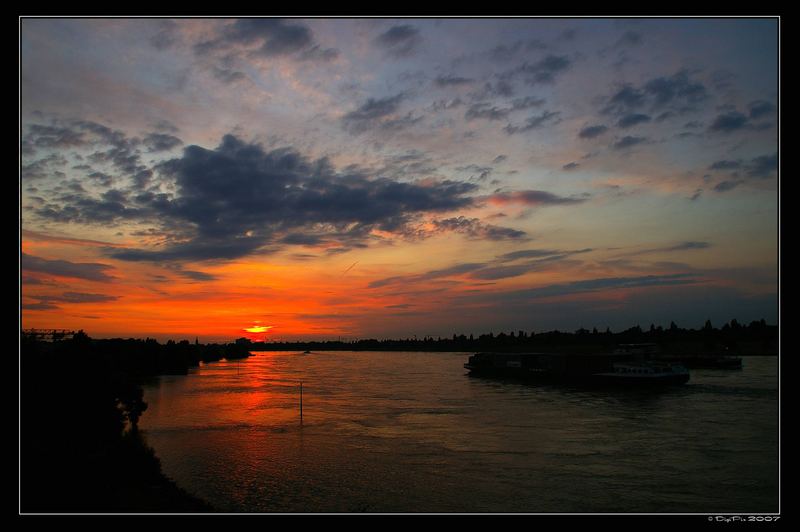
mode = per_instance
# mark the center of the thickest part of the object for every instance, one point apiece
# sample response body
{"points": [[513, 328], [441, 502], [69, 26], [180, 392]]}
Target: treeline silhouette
{"points": [[757, 338], [80, 403]]}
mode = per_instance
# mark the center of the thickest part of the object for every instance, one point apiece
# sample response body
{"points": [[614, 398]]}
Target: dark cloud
{"points": [[81, 297], [115, 195], [443, 105], [101, 178], [724, 186], [493, 270], [682, 246], [161, 141], [537, 254], [760, 108], [759, 167], [199, 250], [450, 80], [728, 122], [276, 37], [165, 126], [238, 198], [480, 173], [30, 279], [105, 134], [474, 228], [399, 41], [90, 271], [630, 38], [114, 147], [411, 164], [533, 122], [484, 111], [570, 166], [39, 305], [528, 260], [568, 34], [267, 37], [678, 93], [536, 44], [46, 302], [458, 269], [80, 208], [166, 36], [527, 102], [398, 123], [227, 75], [44, 167], [54, 136], [545, 70], [677, 88], [498, 89], [632, 120], [301, 239], [608, 283], [725, 165], [194, 275], [505, 52], [501, 272], [688, 245], [628, 141], [533, 197], [625, 98], [318, 54], [666, 115], [378, 113], [762, 166], [499, 159], [591, 132]]}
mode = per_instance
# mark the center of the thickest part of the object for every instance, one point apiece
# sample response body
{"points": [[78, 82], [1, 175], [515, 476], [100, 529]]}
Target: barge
{"points": [[691, 361], [619, 369]]}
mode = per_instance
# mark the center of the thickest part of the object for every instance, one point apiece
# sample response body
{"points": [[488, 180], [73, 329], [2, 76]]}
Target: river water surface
{"points": [[411, 432]]}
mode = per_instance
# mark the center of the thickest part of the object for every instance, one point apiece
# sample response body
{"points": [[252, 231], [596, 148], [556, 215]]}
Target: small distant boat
{"points": [[306, 352]]}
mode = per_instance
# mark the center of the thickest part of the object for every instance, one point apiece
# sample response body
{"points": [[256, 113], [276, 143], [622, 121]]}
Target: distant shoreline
{"points": [[498, 350]]}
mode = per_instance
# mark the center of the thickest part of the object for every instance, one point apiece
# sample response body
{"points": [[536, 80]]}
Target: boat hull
{"points": [[595, 380], [602, 370], [642, 380]]}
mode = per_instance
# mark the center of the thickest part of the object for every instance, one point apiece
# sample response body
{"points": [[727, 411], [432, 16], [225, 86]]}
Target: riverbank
{"points": [[122, 477], [79, 449]]}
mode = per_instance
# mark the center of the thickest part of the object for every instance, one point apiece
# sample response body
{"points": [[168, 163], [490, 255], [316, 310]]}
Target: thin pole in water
{"points": [[301, 401]]}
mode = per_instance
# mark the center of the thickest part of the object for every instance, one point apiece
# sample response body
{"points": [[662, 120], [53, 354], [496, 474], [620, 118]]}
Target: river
{"points": [[411, 432]]}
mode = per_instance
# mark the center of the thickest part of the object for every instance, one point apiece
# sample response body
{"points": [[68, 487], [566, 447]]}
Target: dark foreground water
{"points": [[411, 432]]}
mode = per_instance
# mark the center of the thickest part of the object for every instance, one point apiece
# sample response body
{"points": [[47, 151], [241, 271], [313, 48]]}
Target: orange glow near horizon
{"points": [[385, 291]]}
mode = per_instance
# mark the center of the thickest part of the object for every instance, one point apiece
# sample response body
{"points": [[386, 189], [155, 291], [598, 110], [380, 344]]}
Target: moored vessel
{"points": [[621, 369]]}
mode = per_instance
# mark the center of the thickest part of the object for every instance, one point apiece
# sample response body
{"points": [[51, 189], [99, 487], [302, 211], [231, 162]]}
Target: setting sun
{"points": [[258, 328]]}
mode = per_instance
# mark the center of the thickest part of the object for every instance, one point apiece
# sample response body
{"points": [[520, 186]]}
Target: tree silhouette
{"points": [[132, 401]]}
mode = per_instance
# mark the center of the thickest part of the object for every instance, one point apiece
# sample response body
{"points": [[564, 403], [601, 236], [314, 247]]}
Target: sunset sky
{"points": [[357, 178]]}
